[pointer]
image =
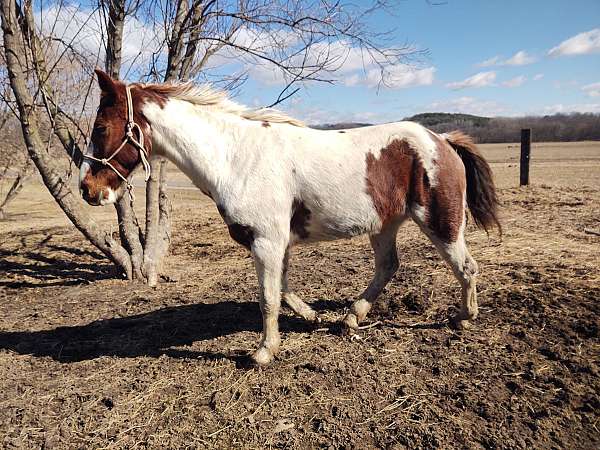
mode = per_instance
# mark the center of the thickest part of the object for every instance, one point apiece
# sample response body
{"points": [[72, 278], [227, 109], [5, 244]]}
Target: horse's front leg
{"points": [[268, 260]]}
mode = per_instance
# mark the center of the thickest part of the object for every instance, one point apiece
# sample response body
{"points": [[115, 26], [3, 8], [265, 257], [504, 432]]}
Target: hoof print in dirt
{"points": [[413, 303], [245, 362]]}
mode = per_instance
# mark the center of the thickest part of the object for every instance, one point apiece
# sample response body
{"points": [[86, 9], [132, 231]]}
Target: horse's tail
{"points": [[481, 192]]}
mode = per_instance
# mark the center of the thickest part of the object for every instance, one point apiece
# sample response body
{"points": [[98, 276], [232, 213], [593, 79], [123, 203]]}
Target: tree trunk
{"points": [[176, 41], [70, 203], [114, 41], [158, 221], [129, 228], [15, 187], [158, 205], [195, 28]]}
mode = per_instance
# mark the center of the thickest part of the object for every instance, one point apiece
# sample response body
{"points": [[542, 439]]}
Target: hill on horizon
{"points": [[555, 128]]}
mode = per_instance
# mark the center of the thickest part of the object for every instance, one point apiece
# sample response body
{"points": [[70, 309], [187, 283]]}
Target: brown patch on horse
{"points": [[443, 203], [341, 131], [242, 234], [389, 179], [398, 180], [147, 94], [300, 219], [266, 124]]}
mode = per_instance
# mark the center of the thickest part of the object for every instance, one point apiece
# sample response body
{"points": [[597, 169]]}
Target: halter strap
{"points": [[129, 138]]}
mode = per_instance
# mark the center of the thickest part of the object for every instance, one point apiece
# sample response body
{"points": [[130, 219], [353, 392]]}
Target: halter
{"points": [[129, 138]]}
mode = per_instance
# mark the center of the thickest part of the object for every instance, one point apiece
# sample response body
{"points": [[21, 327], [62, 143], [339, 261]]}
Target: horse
{"points": [[277, 183]]}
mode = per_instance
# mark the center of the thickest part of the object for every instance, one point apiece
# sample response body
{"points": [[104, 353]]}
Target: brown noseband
{"points": [[129, 138]]}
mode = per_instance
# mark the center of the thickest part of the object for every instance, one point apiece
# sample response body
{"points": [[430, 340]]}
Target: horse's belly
{"points": [[322, 227]]}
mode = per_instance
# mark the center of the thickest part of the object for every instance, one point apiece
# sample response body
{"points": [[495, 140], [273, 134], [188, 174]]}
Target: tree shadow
{"points": [[54, 271], [150, 334]]}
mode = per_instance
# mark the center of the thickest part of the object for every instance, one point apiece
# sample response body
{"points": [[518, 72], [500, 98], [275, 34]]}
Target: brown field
{"points": [[88, 361]]}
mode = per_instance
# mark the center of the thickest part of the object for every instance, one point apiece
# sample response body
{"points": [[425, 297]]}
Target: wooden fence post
{"points": [[525, 153]]}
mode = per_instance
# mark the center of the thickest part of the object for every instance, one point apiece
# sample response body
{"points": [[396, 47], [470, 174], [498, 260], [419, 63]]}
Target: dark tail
{"points": [[481, 192]]}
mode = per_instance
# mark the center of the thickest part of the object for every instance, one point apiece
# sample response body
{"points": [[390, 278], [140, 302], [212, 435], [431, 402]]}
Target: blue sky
{"points": [[485, 57], [522, 74]]}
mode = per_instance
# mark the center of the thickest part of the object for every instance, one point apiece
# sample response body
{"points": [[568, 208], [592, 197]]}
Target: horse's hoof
{"points": [[262, 357], [349, 325], [312, 316]]}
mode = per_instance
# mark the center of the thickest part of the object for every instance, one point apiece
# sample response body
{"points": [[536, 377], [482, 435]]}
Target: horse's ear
{"points": [[106, 83]]}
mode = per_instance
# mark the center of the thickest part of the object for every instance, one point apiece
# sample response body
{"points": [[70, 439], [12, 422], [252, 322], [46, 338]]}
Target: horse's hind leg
{"points": [[464, 267], [465, 271], [290, 298], [386, 265]]}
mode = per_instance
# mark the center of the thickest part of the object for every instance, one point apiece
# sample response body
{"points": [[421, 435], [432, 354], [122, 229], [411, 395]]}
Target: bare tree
{"points": [[18, 57], [301, 41]]}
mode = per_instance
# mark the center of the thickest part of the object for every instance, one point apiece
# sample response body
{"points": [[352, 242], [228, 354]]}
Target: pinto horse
{"points": [[277, 183]]}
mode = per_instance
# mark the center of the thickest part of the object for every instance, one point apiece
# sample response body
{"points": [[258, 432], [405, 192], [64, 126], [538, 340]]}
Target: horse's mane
{"points": [[205, 95]]}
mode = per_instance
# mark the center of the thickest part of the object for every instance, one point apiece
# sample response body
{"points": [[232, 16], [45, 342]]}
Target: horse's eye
{"points": [[100, 129]]}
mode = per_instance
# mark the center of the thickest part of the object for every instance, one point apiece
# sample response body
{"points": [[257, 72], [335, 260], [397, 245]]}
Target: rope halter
{"points": [[131, 139]]}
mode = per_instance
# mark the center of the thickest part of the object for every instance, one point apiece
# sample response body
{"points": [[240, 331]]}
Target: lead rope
{"points": [[129, 137]]}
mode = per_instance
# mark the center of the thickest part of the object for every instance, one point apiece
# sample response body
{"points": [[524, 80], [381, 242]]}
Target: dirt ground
{"points": [[90, 361]]}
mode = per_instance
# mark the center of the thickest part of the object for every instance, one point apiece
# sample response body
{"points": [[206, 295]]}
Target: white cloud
{"points": [[268, 75], [565, 109], [521, 58], [343, 57], [490, 62], [316, 116], [593, 90], [538, 77], [569, 84], [468, 105], [478, 80], [580, 44], [394, 77], [515, 82], [64, 25], [353, 66], [261, 39], [82, 28], [346, 64]]}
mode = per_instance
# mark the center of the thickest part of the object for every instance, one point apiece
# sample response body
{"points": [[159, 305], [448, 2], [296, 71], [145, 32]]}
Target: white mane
{"points": [[205, 95]]}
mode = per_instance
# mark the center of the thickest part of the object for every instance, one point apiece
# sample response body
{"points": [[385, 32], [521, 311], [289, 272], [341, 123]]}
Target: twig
{"points": [[366, 327], [218, 431], [590, 231]]}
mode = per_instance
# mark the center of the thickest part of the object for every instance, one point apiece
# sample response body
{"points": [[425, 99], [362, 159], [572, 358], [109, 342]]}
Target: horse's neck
{"points": [[198, 142]]}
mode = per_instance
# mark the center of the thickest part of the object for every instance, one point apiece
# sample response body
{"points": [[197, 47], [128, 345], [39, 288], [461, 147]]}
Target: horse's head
{"points": [[121, 139]]}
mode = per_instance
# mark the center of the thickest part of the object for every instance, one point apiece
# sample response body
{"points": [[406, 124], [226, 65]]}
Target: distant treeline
{"points": [[558, 127]]}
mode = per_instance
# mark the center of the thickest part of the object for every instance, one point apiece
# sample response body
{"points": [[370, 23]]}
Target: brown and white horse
{"points": [[276, 183]]}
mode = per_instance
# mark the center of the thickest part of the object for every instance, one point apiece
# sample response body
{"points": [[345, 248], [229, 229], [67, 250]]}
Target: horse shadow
{"points": [[150, 334]]}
